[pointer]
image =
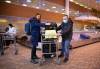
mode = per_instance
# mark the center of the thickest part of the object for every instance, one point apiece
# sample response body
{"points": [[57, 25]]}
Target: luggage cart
{"points": [[49, 42], [12, 39], [1, 44]]}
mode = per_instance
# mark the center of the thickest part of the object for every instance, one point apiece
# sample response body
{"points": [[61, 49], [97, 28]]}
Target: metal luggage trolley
{"points": [[1, 44], [13, 40], [49, 42]]}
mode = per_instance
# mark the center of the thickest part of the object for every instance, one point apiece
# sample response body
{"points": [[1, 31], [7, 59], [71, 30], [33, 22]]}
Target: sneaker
{"points": [[34, 61], [65, 60]]}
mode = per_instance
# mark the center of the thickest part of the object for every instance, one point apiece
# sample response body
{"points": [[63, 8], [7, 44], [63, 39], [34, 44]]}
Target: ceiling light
{"points": [[24, 5], [43, 4], [72, 0], [28, 1], [63, 9], [85, 7], [7, 1], [37, 7], [47, 9], [56, 11], [76, 3], [63, 13], [81, 5], [89, 8], [54, 7]]}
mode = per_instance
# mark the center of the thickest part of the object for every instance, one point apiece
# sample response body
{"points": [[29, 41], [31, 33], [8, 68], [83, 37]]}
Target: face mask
{"points": [[65, 21]]}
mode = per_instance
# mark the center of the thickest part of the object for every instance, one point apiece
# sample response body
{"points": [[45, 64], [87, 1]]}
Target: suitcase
{"points": [[49, 49]]}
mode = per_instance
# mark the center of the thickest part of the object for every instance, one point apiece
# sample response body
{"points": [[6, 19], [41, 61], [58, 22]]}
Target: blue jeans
{"points": [[65, 48]]}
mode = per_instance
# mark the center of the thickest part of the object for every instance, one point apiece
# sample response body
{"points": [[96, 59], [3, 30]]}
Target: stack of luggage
{"points": [[49, 46]]}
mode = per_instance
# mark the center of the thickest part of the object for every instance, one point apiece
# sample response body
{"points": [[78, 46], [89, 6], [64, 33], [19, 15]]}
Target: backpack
{"points": [[28, 28]]}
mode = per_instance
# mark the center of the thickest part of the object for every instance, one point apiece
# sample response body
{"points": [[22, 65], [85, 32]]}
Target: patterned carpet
{"points": [[87, 57]]}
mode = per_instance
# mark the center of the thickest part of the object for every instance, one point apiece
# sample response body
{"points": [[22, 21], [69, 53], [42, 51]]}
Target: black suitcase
{"points": [[49, 48], [46, 47]]}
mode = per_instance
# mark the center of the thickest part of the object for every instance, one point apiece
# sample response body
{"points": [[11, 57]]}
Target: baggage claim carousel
{"points": [[76, 41]]}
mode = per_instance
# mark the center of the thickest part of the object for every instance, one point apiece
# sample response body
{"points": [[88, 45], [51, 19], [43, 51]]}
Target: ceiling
{"points": [[90, 3], [77, 7]]}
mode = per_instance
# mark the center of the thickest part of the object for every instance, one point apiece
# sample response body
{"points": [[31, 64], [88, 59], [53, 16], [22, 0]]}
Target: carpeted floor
{"points": [[87, 57]]}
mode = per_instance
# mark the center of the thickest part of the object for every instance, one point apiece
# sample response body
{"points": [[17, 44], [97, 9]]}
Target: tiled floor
{"points": [[87, 57]]}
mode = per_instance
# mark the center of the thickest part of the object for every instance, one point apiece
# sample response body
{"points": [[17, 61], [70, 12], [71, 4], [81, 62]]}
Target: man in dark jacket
{"points": [[35, 35], [66, 32]]}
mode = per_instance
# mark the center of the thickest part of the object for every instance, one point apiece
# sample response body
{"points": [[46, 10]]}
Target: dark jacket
{"points": [[66, 30], [35, 31]]}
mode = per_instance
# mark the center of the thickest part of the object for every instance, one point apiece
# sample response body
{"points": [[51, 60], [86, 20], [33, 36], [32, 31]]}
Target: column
{"points": [[67, 7]]}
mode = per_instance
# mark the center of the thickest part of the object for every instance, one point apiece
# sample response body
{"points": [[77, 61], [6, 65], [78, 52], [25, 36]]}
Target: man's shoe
{"points": [[34, 61], [35, 57], [65, 60], [61, 55]]}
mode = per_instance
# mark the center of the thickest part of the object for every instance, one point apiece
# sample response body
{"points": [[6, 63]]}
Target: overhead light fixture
{"points": [[62, 13], [54, 7], [47, 9], [28, 1], [7, 1], [24, 5], [37, 7], [81, 5], [43, 4], [85, 7], [72, 0], [89, 8], [76, 3], [63, 9], [56, 11]]}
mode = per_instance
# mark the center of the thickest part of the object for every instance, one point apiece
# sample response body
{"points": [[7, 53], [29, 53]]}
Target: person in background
{"points": [[66, 32], [7, 28], [10, 31], [35, 35]]}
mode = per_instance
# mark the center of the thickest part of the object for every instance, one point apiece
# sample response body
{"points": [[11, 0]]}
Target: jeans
{"points": [[65, 48]]}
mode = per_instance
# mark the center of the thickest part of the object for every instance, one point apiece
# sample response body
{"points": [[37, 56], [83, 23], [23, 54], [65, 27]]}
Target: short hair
{"points": [[10, 25], [32, 19], [66, 15], [37, 14]]}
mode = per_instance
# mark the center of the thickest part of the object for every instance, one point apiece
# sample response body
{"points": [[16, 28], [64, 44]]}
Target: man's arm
{"points": [[58, 28]]}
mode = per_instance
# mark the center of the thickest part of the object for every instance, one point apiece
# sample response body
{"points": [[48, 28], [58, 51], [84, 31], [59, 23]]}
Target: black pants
{"points": [[33, 52]]}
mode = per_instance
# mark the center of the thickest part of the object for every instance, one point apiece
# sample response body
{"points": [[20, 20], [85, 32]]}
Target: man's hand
{"points": [[59, 33]]}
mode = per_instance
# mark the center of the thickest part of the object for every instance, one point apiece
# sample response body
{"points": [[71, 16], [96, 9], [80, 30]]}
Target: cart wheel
{"points": [[58, 61], [41, 62], [2, 53], [16, 53]]}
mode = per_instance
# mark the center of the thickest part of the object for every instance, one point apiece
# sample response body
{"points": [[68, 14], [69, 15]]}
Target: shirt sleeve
{"points": [[58, 28]]}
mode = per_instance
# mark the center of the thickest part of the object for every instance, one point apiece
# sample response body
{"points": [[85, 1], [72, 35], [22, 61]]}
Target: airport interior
{"points": [[85, 44]]}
